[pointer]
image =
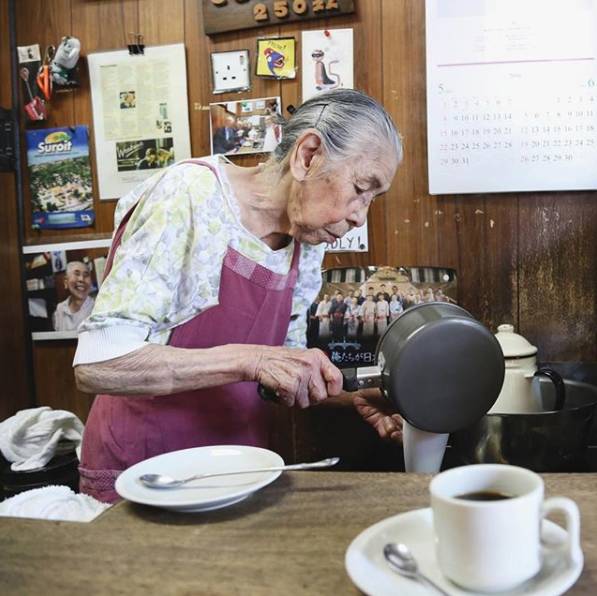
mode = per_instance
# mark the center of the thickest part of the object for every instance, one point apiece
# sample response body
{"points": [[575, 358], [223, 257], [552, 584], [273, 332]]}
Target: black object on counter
{"points": [[550, 441], [61, 470]]}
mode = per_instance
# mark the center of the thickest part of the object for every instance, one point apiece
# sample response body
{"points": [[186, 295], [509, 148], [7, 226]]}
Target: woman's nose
{"points": [[357, 218]]}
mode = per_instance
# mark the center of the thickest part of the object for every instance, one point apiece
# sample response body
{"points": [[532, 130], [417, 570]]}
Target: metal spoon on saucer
{"points": [[164, 481], [402, 560]]}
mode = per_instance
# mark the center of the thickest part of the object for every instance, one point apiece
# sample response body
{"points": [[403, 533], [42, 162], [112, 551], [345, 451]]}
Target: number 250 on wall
{"points": [[282, 7], [238, 12]]}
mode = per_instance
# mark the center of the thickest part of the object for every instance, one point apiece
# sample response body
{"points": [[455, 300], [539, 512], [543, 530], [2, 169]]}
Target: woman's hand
{"points": [[299, 377], [377, 411]]}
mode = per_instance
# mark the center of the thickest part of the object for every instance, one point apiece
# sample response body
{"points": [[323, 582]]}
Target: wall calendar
{"points": [[511, 95]]}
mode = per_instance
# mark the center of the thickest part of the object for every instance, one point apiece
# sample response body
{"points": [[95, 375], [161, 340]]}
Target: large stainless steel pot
{"points": [[548, 441], [440, 367]]}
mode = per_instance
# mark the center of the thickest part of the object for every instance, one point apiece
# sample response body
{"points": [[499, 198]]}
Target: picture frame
{"points": [[62, 281], [276, 58], [230, 71]]}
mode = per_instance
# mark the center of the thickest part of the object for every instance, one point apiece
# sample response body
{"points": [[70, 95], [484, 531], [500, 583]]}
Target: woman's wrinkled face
{"points": [[323, 208]]}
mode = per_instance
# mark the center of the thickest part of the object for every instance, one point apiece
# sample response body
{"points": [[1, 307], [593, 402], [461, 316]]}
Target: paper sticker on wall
{"points": [[276, 58], [60, 177], [356, 240], [327, 61]]}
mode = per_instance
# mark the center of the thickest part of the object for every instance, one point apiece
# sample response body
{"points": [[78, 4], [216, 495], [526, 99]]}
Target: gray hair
{"points": [[349, 122]]}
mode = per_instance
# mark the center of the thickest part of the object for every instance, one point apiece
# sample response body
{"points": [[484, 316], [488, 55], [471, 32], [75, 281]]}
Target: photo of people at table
{"points": [[248, 126], [356, 305], [62, 283]]}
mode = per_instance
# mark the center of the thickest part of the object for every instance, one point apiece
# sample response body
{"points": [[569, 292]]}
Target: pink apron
{"points": [[254, 307]]}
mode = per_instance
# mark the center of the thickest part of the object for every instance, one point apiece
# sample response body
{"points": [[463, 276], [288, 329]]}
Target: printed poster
{"points": [[140, 115], [357, 304], [327, 61], [60, 177]]}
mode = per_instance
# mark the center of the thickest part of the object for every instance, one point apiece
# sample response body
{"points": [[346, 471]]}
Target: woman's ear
{"points": [[302, 157]]}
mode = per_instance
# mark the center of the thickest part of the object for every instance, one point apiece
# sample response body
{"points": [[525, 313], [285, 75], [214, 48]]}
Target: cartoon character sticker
{"points": [[323, 82], [327, 61], [276, 58]]}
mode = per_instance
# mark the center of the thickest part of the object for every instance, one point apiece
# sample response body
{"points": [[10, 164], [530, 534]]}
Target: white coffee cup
{"points": [[494, 545]]}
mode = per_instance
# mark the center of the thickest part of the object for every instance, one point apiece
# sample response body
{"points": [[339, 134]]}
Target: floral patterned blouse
{"points": [[168, 266]]}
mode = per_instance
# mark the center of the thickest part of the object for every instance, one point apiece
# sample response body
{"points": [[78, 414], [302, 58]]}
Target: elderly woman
{"points": [[210, 274]]}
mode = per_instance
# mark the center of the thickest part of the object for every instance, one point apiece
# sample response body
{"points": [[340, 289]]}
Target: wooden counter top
{"points": [[289, 538]]}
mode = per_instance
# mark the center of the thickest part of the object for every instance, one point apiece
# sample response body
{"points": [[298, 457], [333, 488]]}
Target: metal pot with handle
{"points": [[442, 369]]}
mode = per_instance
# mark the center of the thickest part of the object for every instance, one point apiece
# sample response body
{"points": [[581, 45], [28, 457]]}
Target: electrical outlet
{"points": [[231, 71]]}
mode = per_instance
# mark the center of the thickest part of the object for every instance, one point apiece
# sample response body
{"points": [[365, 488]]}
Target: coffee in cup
{"points": [[487, 522]]}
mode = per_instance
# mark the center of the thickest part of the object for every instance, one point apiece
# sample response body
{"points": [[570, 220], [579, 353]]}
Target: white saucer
{"points": [[203, 495], [370, 572]]}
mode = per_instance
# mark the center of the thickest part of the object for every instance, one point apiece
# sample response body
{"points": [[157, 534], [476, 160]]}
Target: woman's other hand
{"points": [[377, 411], [298, 376]]}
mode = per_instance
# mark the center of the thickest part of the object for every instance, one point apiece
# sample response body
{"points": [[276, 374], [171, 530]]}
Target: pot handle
{"points": [[558, 382], [353, 379], [350, 381], [362, 377]]}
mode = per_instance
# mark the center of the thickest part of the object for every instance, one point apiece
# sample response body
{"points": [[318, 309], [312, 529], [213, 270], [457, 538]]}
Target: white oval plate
{"points": [[201, 495], [371, 573]]}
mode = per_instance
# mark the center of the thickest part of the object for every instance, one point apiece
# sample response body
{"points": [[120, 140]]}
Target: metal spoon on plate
{"points": [[164, 481], [402, 561]]}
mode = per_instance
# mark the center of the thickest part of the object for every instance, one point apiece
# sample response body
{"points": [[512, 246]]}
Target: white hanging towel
{"points": [[53, 502], [30, 438]]}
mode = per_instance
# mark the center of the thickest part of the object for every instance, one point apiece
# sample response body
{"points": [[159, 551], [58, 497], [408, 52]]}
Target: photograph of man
{"points": [[71, 312], [323, 314], [368, 311], [150, 161], [127, 100], [382, 312], [396, 307], [226, 137]]}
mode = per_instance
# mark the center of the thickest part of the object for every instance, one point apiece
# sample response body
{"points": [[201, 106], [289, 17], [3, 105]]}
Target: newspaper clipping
{"points": [[140, 115]]}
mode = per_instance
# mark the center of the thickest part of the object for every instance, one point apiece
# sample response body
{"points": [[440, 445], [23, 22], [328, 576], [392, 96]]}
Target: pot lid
{"points": [[514, 345]]}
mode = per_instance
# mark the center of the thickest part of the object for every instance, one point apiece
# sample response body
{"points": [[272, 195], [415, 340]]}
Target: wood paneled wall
{"points": [[528, 259], [14, 391]]}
